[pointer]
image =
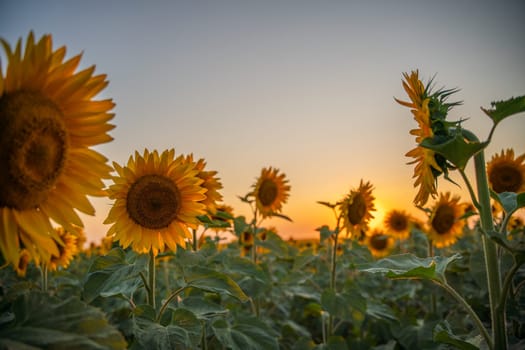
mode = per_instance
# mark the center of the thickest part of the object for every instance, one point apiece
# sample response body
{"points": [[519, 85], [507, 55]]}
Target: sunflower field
{"points": [[164, 277]]}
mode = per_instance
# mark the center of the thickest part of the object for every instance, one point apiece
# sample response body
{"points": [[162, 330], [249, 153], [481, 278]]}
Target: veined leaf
{"points": [[456, 150], [213, 281], [246, 333], [502, 109], [44, 321], [409, 266], [114, 274], [444, 335], [510, 201]]}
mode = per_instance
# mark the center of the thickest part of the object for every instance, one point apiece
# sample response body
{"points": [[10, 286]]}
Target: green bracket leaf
{"points": [[457, 150], [409, 266], [502, 109], [213, 281]]}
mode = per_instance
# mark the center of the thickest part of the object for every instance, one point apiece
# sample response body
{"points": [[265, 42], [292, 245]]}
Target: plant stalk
{"points": [[151, 276]]}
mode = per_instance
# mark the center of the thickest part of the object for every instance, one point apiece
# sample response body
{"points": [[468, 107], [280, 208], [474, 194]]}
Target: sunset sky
{"points": [[304, 86]]}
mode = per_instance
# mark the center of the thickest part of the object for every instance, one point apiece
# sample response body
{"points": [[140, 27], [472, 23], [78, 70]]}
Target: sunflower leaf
{"points": [[114, 274], [409, 266], [502, 109], [443, 334], [457, 150], [245, 333], [44, 321], [213, 281]]}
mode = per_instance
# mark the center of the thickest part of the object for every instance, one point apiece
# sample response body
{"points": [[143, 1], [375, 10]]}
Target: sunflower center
{"points": [[153, 201], [267, 192], [357, 210], [399, 223], [506, 178], [33, 149], [443, 219], [379, 242]]}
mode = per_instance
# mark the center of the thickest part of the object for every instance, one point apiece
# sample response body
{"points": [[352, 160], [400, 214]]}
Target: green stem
{"points": [[166, 303], [151, 275], [470, 189], [433, 301], [469, 310], [43, 274], [195, 241], [506, 286], [492, 263]]}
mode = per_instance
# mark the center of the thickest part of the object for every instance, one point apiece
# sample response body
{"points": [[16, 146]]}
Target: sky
{"points": [[307, 87]]}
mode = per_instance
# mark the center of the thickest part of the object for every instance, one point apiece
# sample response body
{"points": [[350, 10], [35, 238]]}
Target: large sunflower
{"points": [[356, 209], [506, 173], [48, 122], [379, 243], [157, 197], [271, 191], [398, 223], [446, 224]]}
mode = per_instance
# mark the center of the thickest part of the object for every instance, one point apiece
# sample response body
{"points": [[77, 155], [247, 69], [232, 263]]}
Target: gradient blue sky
{"points": [[304, 86]]}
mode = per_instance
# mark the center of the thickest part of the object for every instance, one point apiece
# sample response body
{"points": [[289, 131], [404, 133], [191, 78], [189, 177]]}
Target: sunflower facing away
{"points": [[379, 243], [445, 224], [157, 197], [429, 110], [506, 173], [210, 182], [356, 209], [67, 251], [48, 122], [271, 191], [398, 223]]}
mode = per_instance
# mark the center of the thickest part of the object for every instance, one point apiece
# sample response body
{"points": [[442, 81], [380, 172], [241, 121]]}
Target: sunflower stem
{"points": [[166, 303], [433, 301], [195, 241], [43, 274], [151, 275], [490, 249]]}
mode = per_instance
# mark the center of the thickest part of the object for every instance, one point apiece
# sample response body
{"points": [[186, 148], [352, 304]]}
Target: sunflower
{"points": [[270, 191], [429, 110], [445, 222], [379, 243], [506, 173], [48, 122], [398, 223], [210, 182], [67, 251], [157, 197], [356, 209]]}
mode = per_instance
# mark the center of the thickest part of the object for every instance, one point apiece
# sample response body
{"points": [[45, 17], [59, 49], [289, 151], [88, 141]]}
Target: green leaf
{"points": [[213, 281], [502, 109], [457, 150], [510, 201], [444, 335], [327, 204], [325, 232], [246, 333], [44, 321], [151, 335], [409, 266], [203, 308], [117, 273]]}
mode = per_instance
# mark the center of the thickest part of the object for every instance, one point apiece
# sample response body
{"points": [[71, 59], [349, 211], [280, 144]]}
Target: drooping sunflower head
{"points": [[506, 173], [356, 209], [210, 182], [67, 251], [271, 191], [430, 110], [48, 122], [446, 221], [379, 243], [157, 197], [398, 223]]}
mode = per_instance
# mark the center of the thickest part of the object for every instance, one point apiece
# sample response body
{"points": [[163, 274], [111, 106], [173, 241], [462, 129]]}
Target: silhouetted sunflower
{"points": [[506, 173], [48, 122], [379, 243], [445, 225], [398, 223], [271, 191], [356, 209], [156, 199]]}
